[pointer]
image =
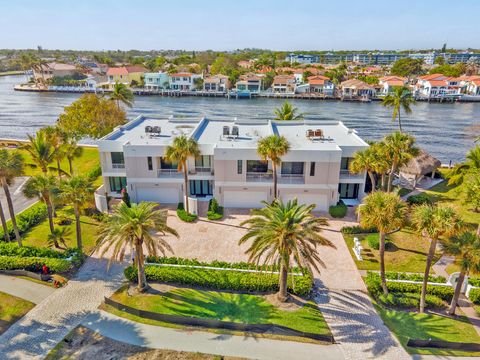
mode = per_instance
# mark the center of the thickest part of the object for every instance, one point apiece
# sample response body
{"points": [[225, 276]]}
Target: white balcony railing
{"points": [[118, 166], [291, 179], [202, 170], [346, 174], [259, 177], [169, 173]]}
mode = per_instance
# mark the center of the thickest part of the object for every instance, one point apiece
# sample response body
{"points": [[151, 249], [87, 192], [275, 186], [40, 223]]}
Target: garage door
{"points": [[244, 199], [158, 194], [304, 198]]}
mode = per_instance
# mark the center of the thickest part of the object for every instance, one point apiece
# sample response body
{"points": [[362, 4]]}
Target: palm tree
{"points": [[283, 233], [272, 148], [364, 160], [60, 235], [381, 164], [11, 166], [45, 187], [471, 164], [401, 98], [135, 227], [40, 150], [77, 191], [466, 248], [400, 149], [434, 222], [56, 137], [287, 112], [6, 235], [385, 212], [72, 150], [181, 149], [122, 94]]}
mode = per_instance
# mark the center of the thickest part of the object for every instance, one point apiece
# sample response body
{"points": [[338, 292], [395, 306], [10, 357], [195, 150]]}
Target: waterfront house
{"points": [[128, 75], [315, 170], [284, 84], [217, 83], [436, 85], [54, 69], [357, 89], [183, 81], [156, 80], [318, 84], [388, 83], [471, 85], [249, 83]]}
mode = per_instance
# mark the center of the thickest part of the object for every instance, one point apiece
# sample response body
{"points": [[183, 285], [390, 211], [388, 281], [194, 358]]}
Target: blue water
{"points": [[444, 130]]}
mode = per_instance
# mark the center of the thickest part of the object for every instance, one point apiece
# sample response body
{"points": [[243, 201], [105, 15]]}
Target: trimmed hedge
{"points": [[214, 263], [34, 264], [419, 199], [183, 215], [357, 230], [15, 251], [338, 211], [414, 277], [27, 219], [222, 279], [474, 282], [474, 296], [409, 300]]}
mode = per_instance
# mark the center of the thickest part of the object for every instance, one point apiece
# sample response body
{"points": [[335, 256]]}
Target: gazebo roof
{"points": [[422, 164]]}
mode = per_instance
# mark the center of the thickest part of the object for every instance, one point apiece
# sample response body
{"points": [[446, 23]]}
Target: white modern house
{"points": [[315, 170], [183, 81], [156, 80]]}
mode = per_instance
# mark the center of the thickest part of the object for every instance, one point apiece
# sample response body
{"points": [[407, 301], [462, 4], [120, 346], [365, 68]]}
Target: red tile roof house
{"points": [[284, 84], [217, 82], [388, 83], [471, 85], [355, 88], [318, 84], [436, 85], [125, 75]]}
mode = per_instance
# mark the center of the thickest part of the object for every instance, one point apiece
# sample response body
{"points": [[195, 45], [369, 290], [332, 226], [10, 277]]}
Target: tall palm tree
{"points": [[400, 149], [287, 112], [76, 191], [182, 148], [135, 227], [382, 164], [364, 160], [471, 164], [122, 94], [385, 212], [11, 166], [40, 150], [401, 98], [45, 187], [272, 148], [282, 234], [466, 248], [72, 150], [56, 137], [434, 222], [6, 235]]}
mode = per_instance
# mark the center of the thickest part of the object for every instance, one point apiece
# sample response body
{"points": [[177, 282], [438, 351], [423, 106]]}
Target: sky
{"points": [[228, 25]]}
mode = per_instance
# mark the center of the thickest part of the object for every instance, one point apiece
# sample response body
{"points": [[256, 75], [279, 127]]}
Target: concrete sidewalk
{"points": [[157, 337], [24, 289]]}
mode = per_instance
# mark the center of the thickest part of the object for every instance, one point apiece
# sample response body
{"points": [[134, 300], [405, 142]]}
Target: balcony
{"points": [[259, 177], [118, 166], [201, 170], [291, 179], [169, 173], [346, 174]]}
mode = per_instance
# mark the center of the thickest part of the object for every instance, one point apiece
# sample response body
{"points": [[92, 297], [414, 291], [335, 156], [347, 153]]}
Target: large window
{"points": [[348, 191], [345, 163], [165, 164], [117, 183], [200, 187], [257, 166], [292, 168], [117, 158], [203, 161]]}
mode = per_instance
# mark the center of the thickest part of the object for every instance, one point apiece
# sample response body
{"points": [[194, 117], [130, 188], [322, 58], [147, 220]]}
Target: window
{"points": [[292, 168], [165, 164], [117, 158], [239, 166], [257, 166], [117, 183], [312, 168], [203, 161], [150, 163], [345, 163], [348, 191], [200, 187]]}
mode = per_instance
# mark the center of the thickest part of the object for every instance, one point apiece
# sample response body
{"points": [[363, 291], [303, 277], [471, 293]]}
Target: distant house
{"points": [[302, 59], [52, 69], [388, 83], [472, 85], [321, 84], [245, 64], [436, 85], [156, 80], [284, 84], [183, 81], [354, 88], [249, 82], [125, 75], [216, 83]]}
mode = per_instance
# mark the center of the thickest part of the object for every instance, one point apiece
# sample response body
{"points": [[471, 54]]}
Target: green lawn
{"points": [[233, 307], [12, 309], [412, 325], [407, 254], [37, 236]]}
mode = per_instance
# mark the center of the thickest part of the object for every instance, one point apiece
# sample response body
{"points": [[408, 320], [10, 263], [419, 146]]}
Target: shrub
{"points": [[474, 296], [62, 220], [215, 211], [419, 199], [410, 300], [474, 282], [373, 240], [94, 173], [34, 264], [183, 215], [28, 218], [222, 279], [338, 211], [15, 251], [357, 230], [414, 277]]}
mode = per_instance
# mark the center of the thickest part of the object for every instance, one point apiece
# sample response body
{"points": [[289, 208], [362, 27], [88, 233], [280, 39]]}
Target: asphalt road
{"points": [[20, 202]]}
